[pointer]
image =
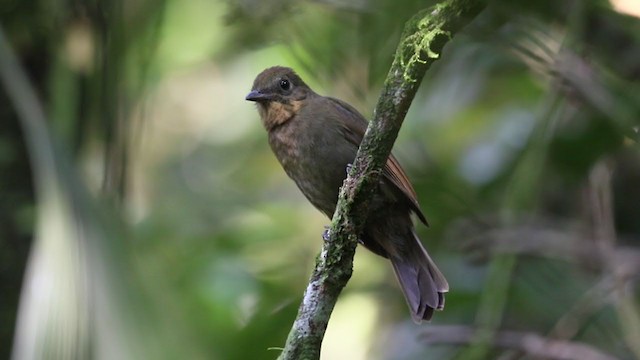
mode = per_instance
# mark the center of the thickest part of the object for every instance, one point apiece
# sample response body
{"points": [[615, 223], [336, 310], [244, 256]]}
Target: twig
{"points": [[421, 43], [572, 321], [551, 239], [600, 204], [530, 343]]}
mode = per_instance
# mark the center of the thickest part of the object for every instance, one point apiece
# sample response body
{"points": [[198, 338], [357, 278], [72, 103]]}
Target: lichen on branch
{"points": [[414, 47]]}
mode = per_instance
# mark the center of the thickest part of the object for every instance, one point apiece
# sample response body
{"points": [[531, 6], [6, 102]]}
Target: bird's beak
{"points": [[258, 96]]}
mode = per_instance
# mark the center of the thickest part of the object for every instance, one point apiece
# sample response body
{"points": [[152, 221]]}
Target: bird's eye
{"points": [[285, 84]]}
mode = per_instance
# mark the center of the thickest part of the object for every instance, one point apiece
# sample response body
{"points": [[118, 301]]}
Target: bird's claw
{"points": [[326, 234]]}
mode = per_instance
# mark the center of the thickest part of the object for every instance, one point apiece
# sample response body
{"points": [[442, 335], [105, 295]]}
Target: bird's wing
{"points": [[355, 126]]}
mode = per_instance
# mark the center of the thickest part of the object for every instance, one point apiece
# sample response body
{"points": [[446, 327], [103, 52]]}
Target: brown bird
{"points": [[315, 138]]}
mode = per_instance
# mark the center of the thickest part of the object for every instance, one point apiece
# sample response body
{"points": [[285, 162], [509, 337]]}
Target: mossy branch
{"points": [[422, 41]]}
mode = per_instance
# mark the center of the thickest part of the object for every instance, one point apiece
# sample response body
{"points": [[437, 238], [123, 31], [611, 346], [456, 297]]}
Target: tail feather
{"points": [[422, 283]]}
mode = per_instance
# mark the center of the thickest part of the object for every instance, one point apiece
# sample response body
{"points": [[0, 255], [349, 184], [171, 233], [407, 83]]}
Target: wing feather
{"points": [[355, 126]]}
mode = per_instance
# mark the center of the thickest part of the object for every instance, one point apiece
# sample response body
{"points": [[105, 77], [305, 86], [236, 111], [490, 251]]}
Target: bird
{"points": [[315, 138]]}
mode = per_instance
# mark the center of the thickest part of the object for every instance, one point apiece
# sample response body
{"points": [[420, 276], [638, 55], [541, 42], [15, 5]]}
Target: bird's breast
{"points": [[314, 157], [286, 145]]}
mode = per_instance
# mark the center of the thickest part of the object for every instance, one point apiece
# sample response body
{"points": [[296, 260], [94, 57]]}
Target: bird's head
{"points": [[279, 93], [279, 84]]}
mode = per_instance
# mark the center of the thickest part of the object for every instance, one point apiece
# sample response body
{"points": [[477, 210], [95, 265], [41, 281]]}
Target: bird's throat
{"points": [[277, 113]]}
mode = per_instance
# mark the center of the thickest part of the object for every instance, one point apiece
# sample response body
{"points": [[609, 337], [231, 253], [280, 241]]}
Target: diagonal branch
{"points": [[422, 41]]}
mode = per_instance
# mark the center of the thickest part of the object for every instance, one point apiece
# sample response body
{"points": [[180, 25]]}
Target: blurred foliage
{"points": [[189, 241]]}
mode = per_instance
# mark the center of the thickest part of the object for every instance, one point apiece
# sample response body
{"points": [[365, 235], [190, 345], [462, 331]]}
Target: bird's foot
{"points": [[326, 234]]}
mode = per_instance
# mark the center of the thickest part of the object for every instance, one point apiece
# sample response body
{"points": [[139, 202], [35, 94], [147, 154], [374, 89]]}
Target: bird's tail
{"points": [[422, 282]]}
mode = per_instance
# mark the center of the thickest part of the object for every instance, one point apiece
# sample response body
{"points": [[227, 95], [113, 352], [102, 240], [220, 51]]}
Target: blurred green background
{"points": [[149, 219]]}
